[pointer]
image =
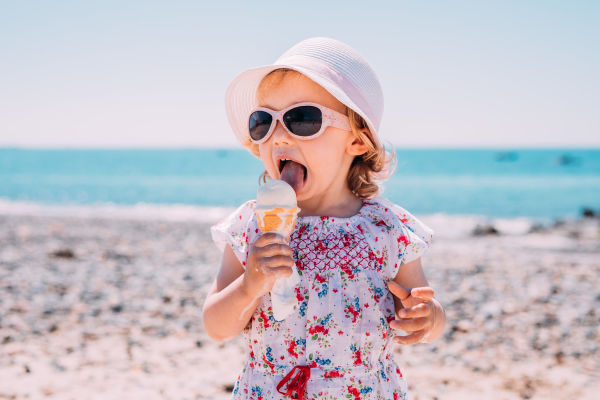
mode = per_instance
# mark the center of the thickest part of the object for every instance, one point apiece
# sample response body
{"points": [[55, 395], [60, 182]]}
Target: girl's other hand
{"points": [[269, 258], [418, 315]]}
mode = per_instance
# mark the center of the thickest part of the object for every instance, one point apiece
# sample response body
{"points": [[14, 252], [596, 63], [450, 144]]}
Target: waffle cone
{"points": [[280, 220]]}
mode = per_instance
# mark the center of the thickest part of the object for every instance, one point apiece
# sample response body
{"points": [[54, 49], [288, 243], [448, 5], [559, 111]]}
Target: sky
{"points": [[476, 74]]}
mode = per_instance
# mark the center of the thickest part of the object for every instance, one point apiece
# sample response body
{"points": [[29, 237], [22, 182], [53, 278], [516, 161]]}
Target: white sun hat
{"points": [[334, 65]]}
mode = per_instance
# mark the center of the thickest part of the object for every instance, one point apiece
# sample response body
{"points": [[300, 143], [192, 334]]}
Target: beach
{"points": [[108, 307]]}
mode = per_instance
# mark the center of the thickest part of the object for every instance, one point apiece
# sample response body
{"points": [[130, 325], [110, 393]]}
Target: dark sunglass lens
{"points": [[260, 122], [303, 120]]}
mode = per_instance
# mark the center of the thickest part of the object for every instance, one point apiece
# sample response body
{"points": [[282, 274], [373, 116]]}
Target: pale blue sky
{"points": [[154, 74]]}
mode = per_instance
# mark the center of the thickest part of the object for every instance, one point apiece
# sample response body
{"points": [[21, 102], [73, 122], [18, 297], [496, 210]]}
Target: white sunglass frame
{"points": [[329, 118]]}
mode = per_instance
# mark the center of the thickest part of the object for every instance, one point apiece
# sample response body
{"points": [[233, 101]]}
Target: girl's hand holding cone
{"points": [[269, 258]]}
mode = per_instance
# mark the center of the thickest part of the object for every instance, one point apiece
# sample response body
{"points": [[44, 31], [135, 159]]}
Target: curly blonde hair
{"points": [[366, 170]]}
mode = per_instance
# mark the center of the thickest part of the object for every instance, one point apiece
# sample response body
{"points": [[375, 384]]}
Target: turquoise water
{"points": [[497, 183]]}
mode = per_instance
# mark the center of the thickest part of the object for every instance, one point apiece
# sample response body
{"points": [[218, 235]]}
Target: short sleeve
{"points": [[237, 230], [409, 237], [413, 238]]}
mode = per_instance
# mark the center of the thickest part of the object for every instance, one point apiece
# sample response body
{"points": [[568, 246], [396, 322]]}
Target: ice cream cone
{"points": [[276, 211]]}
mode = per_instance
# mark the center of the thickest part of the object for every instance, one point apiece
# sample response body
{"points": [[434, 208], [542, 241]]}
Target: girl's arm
{"points": [[423, 316], [228, 306], [235, 293]]}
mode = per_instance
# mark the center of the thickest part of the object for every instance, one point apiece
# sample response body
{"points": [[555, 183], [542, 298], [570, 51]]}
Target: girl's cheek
{"points": [[266, 161]]}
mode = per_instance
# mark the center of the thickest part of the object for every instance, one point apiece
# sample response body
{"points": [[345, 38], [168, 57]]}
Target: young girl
{"points": [[312, 118]]}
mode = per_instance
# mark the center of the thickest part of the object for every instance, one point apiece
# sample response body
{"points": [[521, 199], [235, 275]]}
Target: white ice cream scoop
{"points": [[275, 193]]}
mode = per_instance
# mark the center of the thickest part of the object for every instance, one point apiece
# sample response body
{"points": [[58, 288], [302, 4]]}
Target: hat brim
{"points": [[240, 97]]}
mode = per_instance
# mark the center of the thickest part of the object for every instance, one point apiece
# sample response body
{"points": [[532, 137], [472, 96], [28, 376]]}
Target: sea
{"points": [[541, 184]]}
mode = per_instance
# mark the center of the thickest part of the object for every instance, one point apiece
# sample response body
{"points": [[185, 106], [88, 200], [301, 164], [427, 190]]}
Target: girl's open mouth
{"points": [[293, 173]]}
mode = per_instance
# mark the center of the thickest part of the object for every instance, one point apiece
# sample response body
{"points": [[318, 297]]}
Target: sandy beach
{"points": [[110, 308]]}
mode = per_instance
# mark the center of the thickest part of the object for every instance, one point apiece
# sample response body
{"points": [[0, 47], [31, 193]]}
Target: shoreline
{"points": [[212, 214]]}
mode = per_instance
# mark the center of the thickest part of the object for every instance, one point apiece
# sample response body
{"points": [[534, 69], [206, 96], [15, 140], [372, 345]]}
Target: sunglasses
{"points": [[303, 121]]}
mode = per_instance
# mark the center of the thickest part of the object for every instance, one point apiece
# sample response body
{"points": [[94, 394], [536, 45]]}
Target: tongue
{"points": [[293, 174]]}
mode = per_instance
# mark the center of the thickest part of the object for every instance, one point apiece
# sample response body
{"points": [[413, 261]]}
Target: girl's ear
{"points": [[357, 146]]}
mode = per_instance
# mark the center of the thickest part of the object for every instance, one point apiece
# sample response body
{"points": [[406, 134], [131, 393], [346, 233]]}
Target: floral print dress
{"points": [[339, 330]]}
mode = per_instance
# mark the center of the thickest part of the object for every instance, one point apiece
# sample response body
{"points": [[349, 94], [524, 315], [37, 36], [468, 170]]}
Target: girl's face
{"points": [[327, 158]]}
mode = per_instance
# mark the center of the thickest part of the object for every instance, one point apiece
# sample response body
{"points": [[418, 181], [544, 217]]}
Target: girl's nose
{"points": [[281, 135]]}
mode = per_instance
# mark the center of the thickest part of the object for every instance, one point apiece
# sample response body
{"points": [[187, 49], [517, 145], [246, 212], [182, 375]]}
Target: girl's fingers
{"points": [[409, 325], [420, 310], [273, 249], [399, 291], [268, 238], [414, 337], [276, 261], [423, 293]]}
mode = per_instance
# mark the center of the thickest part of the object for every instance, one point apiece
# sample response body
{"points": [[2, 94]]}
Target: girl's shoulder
{"points": [[401, 227], [381, 211], [407, 236], [236, 229]]}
